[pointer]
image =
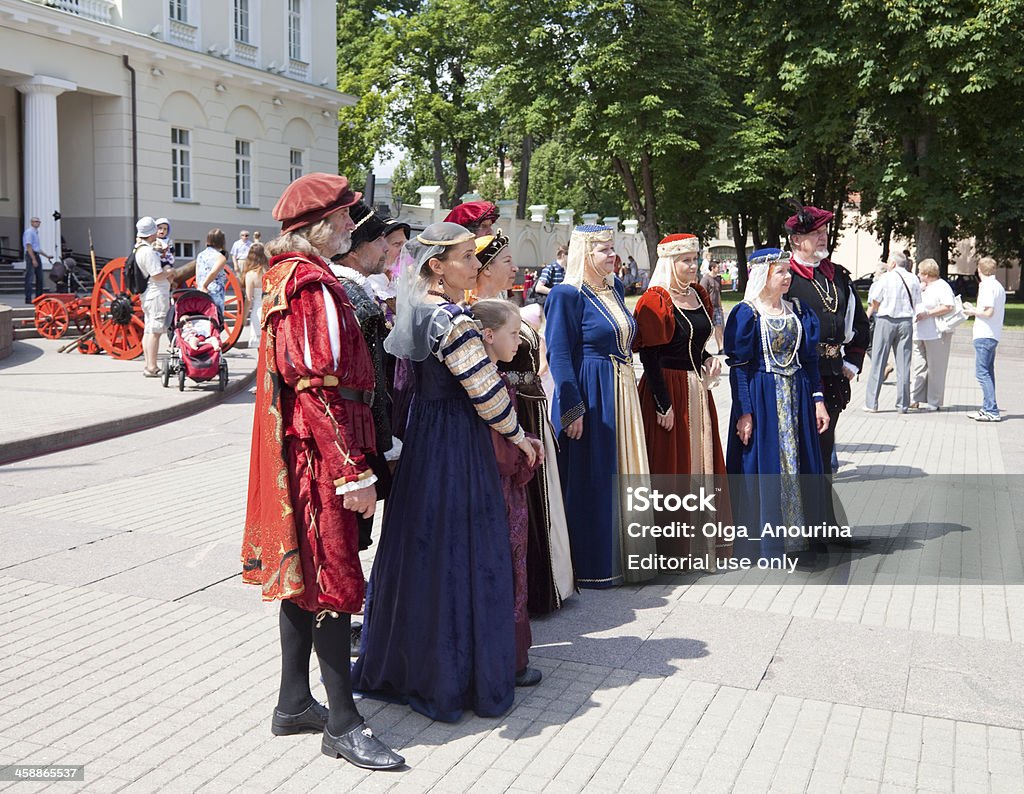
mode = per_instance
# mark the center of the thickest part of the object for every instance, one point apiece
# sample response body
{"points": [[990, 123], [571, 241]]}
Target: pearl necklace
{"points": [[769, 355]]}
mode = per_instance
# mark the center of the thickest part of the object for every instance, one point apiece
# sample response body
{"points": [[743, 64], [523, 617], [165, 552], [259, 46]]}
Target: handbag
{"points": [[951, 319]]}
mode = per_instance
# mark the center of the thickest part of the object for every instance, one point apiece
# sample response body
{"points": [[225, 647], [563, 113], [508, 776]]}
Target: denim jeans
{"points": [[985, 372]]}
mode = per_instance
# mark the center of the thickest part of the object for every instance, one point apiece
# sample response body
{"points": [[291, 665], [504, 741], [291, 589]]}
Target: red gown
{"points": [[671, 346], [310, 431]]}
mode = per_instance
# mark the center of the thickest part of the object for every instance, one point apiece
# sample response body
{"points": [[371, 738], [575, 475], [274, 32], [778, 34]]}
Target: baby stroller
{"points": [[195, 344]]}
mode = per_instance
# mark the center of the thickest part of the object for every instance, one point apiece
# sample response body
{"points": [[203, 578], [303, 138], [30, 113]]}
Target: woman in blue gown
{"points": [[777, 412], [596, 407], [438, 622]]}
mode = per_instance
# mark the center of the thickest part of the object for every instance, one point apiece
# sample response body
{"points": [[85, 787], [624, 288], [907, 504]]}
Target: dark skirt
{"points": [[438, 628]]}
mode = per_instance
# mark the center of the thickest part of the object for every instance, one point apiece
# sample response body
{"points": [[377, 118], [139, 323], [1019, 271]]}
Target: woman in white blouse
{"points": [[931, 347]]}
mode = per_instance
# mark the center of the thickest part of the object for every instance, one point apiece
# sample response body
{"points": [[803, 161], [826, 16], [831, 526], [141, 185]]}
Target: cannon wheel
{"points": [[234, 308], [116, 313], [51, 318]]}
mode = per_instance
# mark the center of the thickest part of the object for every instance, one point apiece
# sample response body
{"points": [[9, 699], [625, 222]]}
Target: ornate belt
{"points": [[331, 381], [522, 378], [829, 350], [314, 383]]}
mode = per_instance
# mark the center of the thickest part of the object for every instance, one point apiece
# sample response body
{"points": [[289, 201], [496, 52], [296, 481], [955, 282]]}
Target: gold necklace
{"points": [[605, 286], [829, 302]]}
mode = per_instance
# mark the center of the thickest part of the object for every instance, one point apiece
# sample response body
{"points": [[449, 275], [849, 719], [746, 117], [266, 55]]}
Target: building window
{"points": [[243, 173], [181, 164], [295, 30], [242, 33], [295, 165], [185, 249], [178, 10]]}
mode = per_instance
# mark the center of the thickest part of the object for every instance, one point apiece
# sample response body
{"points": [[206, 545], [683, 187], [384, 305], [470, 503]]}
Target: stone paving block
{"points": [[715, 644], [859, 666]]}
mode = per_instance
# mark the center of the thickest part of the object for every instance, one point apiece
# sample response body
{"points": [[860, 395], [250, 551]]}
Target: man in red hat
{"points": [[308, 474], [827, 289], [477, 216]]}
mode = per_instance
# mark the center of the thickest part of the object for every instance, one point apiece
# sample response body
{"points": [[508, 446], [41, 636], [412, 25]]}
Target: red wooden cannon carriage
{"points": [[114, 315]]}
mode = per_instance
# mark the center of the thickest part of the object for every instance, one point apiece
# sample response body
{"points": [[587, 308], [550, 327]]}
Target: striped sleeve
{"points": [[462, 351]]}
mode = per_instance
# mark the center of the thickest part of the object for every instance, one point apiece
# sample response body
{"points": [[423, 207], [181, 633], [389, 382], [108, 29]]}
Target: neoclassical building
{"points": [[201, 111]]}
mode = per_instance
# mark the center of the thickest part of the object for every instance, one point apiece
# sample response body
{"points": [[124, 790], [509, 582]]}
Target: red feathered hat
{"points": [[807, 220]]}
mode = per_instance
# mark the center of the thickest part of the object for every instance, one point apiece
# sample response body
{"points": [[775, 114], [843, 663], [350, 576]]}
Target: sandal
{"points": [[154, 373]]}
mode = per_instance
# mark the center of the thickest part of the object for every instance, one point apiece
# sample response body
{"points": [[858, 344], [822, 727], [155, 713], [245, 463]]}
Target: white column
{"points": [[630, 225], [430, 196], [566, 216], [538, 212], [611, 220], [42, 180], [590, 218]]}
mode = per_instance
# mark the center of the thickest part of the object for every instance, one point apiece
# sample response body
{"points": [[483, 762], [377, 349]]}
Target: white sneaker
{"points": [[869, 409], [985, 416], [927, 407]]}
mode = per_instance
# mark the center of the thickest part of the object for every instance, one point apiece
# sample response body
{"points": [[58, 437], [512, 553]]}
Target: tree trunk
{"points": [[927, 241], [648, 223], [439, 174], [943, 253], [739, 242], [754, 224], [461, 170], [887, 238], [524, 176], [774, 237]]}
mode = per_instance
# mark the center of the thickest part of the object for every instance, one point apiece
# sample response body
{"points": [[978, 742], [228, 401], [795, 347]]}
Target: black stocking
{"points": [[331, 640], [296, 627]]}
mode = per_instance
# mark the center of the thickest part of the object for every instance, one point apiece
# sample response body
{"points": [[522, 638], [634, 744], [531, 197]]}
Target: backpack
{"points": [[135, 281]]}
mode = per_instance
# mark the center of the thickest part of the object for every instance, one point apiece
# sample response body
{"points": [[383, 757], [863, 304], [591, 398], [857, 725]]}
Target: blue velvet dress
{"points": [[781, 464], [589, 338], [438, 622]]}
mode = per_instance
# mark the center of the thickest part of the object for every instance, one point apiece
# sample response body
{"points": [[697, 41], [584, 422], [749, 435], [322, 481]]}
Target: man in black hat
{"points": [[367, 257], [827, 289]]}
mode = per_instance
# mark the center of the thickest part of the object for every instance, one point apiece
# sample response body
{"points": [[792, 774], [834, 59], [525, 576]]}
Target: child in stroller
{"points": [[196, 344]]}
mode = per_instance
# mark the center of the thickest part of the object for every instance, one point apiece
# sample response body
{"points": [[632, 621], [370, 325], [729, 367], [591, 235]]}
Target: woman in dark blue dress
{"points": [[777, 411], [438, 631]]}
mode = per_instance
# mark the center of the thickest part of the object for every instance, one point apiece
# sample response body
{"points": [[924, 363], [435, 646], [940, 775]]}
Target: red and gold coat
{"points": [[307, 441]]}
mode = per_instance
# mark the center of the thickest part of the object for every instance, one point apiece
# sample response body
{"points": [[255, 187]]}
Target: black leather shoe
{"points": [[361, 748], [528, 676], [312, 720], [355, 638]]}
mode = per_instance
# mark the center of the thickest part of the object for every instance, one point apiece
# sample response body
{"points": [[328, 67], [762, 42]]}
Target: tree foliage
{"points": [[679, 113]]}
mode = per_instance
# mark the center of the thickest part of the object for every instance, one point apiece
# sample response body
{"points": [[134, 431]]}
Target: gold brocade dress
{"points": [[589, 336]]}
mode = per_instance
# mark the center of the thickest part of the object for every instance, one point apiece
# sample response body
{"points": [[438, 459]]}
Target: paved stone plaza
{"points": [[132, 647]]}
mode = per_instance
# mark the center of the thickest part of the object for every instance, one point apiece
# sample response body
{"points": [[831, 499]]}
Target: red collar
{"points": [[825, 266]]}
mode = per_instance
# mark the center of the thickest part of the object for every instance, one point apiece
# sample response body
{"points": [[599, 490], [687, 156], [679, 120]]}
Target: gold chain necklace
{"points": [[829, 302]]}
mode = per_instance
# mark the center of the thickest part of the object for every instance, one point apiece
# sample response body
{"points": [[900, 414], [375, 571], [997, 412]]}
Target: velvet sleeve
{"points": [[564, 336], [743, 351], [655, 325], [809, 350], [462, 351], [303, 352]]}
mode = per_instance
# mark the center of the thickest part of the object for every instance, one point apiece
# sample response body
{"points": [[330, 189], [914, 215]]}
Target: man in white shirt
{"points": [[893, 298], [240, 250], [156, 300], [988, 330]]}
